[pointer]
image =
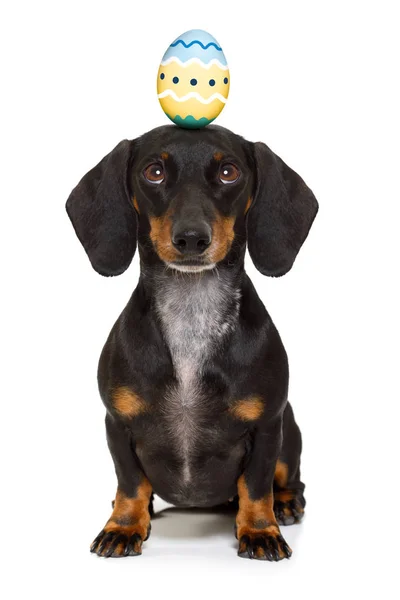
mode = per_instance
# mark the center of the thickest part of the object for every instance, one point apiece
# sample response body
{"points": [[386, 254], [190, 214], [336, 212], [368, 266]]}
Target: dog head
{"points": [[191, 199]]}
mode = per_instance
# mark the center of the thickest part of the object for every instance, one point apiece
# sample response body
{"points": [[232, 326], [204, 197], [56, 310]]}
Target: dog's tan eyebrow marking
{"points": [[248, 409], [164, 155], [248, 204], [218, 156], [135, 204], [127, 403]]}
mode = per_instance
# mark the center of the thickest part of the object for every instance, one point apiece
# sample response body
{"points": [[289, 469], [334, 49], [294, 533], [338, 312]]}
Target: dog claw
{"points": [[117, 543], [264, 546]]}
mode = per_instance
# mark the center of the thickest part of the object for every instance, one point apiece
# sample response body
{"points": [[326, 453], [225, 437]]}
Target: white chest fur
{"points": [[196, 312]]}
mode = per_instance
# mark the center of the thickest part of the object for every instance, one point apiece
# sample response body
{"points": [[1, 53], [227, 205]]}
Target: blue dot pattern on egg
{"points": [[193, 79]]}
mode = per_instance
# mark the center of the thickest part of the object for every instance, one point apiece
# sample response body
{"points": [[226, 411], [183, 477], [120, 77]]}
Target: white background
{"points": [[318, 82]]}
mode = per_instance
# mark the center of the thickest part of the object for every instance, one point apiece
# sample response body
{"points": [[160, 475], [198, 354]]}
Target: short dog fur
{"points": [[194, 376]]}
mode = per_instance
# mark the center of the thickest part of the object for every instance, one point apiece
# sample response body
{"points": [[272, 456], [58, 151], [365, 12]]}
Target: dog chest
{"points": [[195, 313]]}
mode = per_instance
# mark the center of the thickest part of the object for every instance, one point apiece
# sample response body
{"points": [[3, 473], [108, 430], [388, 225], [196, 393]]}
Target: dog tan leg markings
{"points": [[127, 403], [281, 473], [222, 238], [129, 524], [256, 527], [248, 409], [288, 507], [284, 495]]}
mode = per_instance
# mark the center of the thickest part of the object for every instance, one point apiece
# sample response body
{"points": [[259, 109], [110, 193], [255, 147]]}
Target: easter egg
{"points": [[193, 80]]}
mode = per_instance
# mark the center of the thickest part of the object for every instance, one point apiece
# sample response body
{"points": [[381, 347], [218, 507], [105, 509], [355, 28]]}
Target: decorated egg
{"points": [[193, 80]]}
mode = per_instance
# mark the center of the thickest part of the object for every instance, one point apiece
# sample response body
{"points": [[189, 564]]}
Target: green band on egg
{"points": [[190, 122]]}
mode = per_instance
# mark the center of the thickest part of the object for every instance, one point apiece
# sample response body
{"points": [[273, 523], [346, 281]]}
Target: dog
{"points": [[194, 375]]}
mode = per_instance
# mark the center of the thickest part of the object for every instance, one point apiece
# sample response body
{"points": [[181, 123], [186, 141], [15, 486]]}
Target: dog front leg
{"points": [[256, 527], [129, 524]]}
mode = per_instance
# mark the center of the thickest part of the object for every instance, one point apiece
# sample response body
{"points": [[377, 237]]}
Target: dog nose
{"points": [[192, 241]]}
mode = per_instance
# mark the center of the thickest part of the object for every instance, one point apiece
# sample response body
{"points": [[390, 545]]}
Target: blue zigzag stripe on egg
{"points": [[196, 34], [196, 42], [184, 54]]}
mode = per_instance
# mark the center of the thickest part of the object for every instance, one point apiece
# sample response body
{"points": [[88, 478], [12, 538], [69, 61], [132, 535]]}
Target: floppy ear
{"points": [[102, 213], [282, 213]]}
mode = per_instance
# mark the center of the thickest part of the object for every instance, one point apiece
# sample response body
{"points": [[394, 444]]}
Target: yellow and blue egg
{"points": [[193, 80]]}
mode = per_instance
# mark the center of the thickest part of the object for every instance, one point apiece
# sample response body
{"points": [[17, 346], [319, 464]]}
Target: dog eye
{"points": [[154, 173], [229, 173]]}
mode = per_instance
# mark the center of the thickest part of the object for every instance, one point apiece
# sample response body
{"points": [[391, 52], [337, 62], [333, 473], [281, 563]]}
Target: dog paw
{"points": [[288, 508], [118, 542], [267, 544]]}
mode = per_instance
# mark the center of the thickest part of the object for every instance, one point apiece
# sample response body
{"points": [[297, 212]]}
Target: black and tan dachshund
{"points": [[194, 376]]}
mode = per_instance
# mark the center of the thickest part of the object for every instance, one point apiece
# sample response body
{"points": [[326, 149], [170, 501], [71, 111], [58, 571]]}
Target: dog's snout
{"points": [[192, 240]]}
